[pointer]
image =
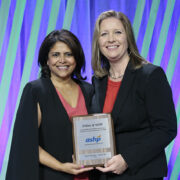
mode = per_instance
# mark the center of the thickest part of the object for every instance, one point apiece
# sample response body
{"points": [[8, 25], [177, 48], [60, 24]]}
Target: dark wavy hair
{"points": [[72, 42]]}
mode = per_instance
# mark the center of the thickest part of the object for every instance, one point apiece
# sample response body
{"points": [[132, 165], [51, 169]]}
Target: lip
{"points": [[111, 47], [62, 67]]}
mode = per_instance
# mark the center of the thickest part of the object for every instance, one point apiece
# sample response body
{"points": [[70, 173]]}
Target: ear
{"points": [[48, 62]]}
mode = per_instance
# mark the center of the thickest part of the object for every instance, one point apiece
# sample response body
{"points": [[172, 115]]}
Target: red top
{"points": [[111, 94], [80, 109]]}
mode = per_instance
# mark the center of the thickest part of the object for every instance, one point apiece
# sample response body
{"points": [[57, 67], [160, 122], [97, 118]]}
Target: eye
{"points": [[68, 54], [55, 54], [118, 32], [103, 34]]}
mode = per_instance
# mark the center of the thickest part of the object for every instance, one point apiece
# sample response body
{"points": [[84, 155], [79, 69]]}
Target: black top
{"points": [[144, 119], [54, 134]]}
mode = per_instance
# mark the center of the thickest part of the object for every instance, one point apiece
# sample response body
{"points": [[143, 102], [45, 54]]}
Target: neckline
{"points": [[64, 100], [54, 92], [114, 83]]}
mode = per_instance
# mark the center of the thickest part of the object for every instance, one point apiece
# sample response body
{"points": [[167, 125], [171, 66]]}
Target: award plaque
{"points": [[93, 139]]}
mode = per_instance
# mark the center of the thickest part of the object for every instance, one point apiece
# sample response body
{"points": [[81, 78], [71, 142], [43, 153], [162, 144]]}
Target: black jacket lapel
{"points": [[125, 87], [87, 91], [100, 86]]}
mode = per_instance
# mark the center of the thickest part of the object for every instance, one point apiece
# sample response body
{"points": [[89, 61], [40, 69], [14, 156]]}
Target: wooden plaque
{"points": [[93, 139]]}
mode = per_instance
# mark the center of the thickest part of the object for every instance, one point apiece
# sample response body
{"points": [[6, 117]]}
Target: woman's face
{"points": [[61, 61], [112, 39]]}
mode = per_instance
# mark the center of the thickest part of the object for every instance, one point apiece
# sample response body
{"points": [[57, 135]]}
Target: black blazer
{"points": [[54, 134], [144, 120]]}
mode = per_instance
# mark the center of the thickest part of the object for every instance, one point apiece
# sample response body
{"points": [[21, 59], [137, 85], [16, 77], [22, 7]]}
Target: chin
{"points": [[113, 60]]}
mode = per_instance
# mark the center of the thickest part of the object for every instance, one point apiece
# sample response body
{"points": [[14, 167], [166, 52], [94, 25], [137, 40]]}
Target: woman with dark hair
{"points": [[139, 98], [42, 138]]}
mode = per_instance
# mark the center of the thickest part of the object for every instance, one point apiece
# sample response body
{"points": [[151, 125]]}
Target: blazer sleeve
{"points": [[88, 91], [95, 106], [24, 159], [162, 118]]}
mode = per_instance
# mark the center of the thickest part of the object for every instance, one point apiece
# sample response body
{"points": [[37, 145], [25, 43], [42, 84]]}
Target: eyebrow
{"points": [[60, 52], [113, 29]]}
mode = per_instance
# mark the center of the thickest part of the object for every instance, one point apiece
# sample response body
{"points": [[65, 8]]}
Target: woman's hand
{"points": [[115, 165], [48, 160], [74, 169]]}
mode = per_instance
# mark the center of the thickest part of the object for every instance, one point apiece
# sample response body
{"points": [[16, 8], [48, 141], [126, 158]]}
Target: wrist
{"points": [[125, 163], [61, 167]]}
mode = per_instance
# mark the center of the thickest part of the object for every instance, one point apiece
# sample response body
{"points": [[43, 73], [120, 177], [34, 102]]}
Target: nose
{"points": [[61, 59], [111, 37]]}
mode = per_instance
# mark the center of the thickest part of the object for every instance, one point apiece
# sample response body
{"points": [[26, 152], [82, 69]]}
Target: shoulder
{"points": [[38, 82], [83, 83], [149, 70], [86, 86], [97, 80], [38, 86], [151, 76]]}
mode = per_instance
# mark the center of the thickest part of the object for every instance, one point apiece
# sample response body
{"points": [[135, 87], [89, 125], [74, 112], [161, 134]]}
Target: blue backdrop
{"points": [[25, 23]]}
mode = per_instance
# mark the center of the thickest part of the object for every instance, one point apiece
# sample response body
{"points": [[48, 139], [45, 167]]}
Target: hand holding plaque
{"points": [[93, 139]]}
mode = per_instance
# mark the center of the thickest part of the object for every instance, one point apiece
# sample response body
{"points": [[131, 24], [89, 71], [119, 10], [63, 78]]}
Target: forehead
{"points": [[111, 23], [60, 46]]}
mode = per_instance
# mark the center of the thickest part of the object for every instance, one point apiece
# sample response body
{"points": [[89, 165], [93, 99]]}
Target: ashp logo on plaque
{"points": [[93, 139]]}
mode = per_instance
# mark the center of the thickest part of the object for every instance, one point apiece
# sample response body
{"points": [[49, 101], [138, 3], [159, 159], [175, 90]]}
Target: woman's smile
{"points": [[112, 40], [61, 61]]}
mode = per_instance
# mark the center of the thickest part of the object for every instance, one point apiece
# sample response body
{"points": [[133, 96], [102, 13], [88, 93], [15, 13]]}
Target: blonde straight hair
{"points": [[100, 64]]}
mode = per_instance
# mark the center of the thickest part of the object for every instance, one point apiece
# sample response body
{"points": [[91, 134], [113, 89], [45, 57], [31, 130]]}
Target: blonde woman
{"points": [[138, 96]]}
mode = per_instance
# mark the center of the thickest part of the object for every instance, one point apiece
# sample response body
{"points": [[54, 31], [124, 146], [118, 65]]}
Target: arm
{"points": [[162, 119], [48, 160], [23, 159]]}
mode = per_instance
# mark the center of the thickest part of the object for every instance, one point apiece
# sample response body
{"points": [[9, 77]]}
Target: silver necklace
{"points": [[114, 77]]}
